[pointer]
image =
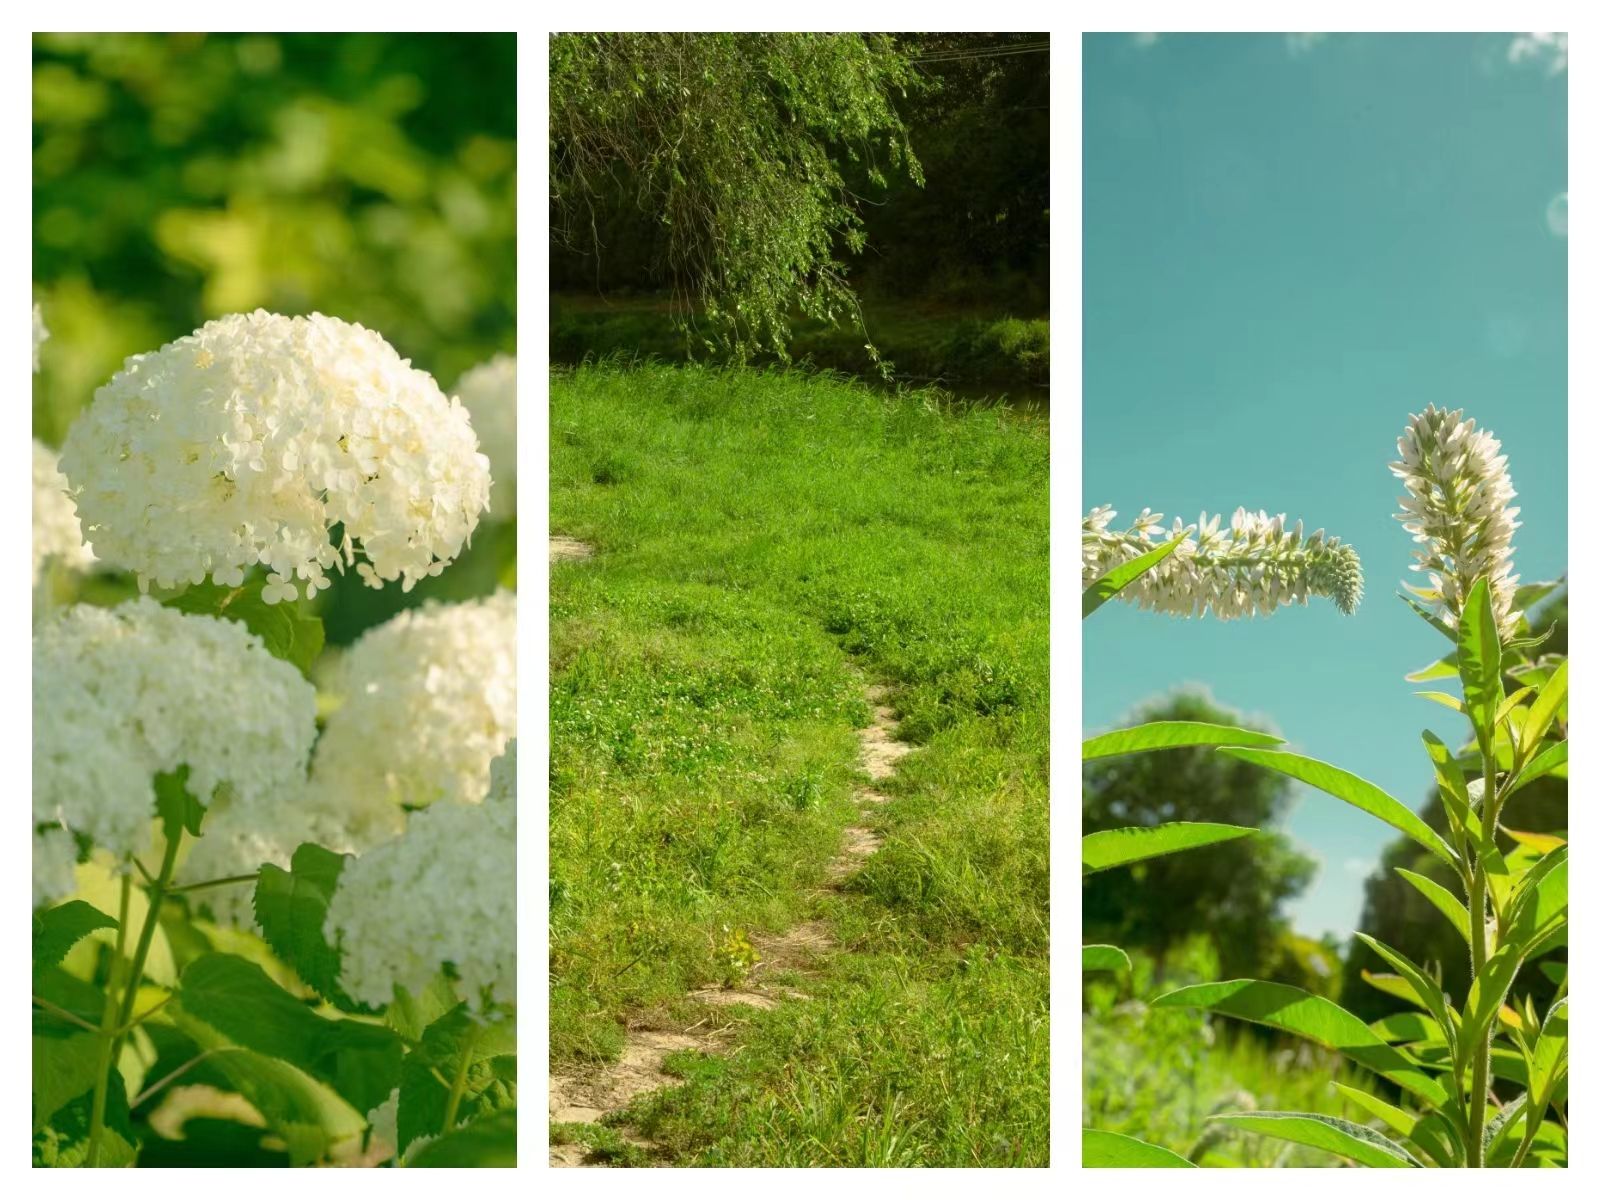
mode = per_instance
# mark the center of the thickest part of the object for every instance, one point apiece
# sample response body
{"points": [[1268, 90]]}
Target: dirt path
{"points": [[565, 549], [587, 1097]]}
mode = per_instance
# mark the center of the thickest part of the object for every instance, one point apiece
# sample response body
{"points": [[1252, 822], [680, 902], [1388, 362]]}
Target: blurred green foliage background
{"points": [[369, 176]]}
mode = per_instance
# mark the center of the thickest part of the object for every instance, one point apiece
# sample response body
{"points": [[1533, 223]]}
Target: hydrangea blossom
{"points": [[442, 893], [56, 532], [429, 699], [1457, 510], [256, 436], [489, 392], [55, 855], [1254, 566], [123, 694]]}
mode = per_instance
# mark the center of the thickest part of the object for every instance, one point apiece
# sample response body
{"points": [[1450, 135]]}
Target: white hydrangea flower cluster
{"points": [[251, 439], [55, 855], [40, 336], [1457, 510], [123, 694], [489, 391], [430, 698], [56, 532], [445, 892], [1253, 567]]}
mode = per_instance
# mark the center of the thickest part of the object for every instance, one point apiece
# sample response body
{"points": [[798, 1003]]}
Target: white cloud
{"points": [[1547, 48], [1360, 866], [1301, 43], [1145, 40], [1555, 215]]}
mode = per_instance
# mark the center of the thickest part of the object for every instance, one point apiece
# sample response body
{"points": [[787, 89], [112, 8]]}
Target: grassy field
{"points": [[767, 543]]}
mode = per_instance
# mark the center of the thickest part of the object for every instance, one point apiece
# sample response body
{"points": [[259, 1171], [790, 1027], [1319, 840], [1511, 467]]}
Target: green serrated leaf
{"points": [[291, 907], [1114, 580], [63, 1069], [64, 1141], [431, 1068], [1344, 1138], [57, 930], [1352, 789], [1119, 847], [1104, 1149], [1314, 1018], [358, 1060], [1105, 958], [1169, 735], [488, 1142]]}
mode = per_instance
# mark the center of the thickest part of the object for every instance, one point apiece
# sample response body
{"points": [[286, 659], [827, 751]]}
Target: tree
{"points": [[735, 147], [1234, 891]]}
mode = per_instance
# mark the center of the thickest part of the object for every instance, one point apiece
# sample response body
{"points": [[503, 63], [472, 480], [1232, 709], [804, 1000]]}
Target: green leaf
{"points": [[1444, 698], [1453, 789], [488, 1142], [1344, 1138], [1394, 985], [69, 993], [1408, 1027], [1478, 649], [360, 1061], [1439, 896], [1105, 958], [1422, 983], [1118, 847], [1352, 789], [1443, 668], [1549, 1063], [1428, 616], [1488, 992], [287, 630], [291, 907], [64, 1068], [1541, 713], [1529, 594], [430, 1069], [179, 810], [1314, 1018], [1168, 735], [410, 1016], [1398, 1119], [1551, 760], [1114, 580], [1540, 899], [57, 930], [64, 1142], [1104, 1149]]}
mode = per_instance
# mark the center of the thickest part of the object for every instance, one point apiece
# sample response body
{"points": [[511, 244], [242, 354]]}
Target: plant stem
{"points": [[459, 1087], [1526, 1142], [1477, 914], [108, 1023], [212, 883], [158, 894]]}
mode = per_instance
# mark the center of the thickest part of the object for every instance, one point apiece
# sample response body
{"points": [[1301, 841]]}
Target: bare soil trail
{"points": [[590, 1094], [565, 549]]}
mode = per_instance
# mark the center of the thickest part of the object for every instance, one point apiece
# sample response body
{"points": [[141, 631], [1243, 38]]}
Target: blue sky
{"points": [[1290, 243]]}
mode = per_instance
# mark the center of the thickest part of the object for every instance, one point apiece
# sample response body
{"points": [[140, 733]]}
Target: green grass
{"points": [[766, 543]]}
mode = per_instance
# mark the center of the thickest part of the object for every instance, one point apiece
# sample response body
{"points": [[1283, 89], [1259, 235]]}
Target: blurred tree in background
{"points": [[179, 177], [1234, 891]]}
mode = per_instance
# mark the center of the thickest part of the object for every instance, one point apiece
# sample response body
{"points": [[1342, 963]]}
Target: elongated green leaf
{"points": [[1398, 1119], [57, 930], [1394, 985], [1540, 898], [1552, 760], [1439, 896], [1542, 713], [1312, 1017], [1529, 594], [1453, 789], [488, 1142], [1352, 789], [1501, 1125], [1408, 1027], [1443, 668], [1169, 735], [1488, 992], [291, 907], [1478, 649], [1105, 958], [1118, 847], [1103, 1149], [1114, 580], [1444, 698], [236, 998], [1344, 1138], [1428, 616], [288, 631], [1421, 982], [1549, 1062]]}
